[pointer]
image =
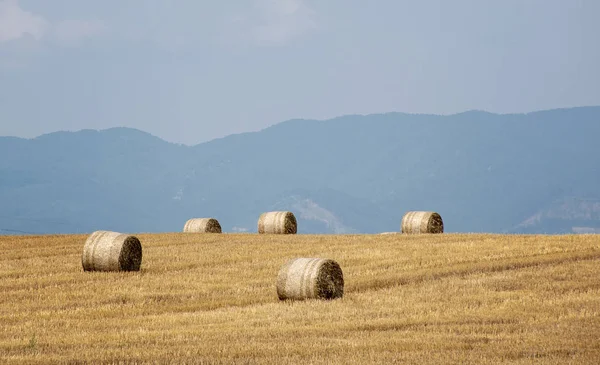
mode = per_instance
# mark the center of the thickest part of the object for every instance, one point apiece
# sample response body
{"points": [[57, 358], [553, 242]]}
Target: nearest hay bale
{"points": [[111, 251], [202, 225], [278, 223], [310, 278], [422, 222]]}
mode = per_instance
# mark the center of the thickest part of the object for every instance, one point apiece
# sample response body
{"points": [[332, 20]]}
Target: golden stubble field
{"points": [[210, 298]]}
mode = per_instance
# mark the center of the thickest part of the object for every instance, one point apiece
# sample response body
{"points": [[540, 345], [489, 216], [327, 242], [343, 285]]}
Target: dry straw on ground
{"points": [[480, 299], [202, 225], [310, 278], [111, 251], [422, 222], [277, 222]]}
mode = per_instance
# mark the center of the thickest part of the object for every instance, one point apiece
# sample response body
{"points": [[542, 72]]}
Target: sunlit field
{"points": [[211, 298]]}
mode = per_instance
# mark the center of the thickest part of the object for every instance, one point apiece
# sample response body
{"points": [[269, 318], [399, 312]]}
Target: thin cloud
{"points": [[16, 23], [272, 22], [73, 32], [283, 20]]}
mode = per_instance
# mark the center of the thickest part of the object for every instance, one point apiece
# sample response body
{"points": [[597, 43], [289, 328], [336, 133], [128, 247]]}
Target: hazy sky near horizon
{"points": [[191, 70]]}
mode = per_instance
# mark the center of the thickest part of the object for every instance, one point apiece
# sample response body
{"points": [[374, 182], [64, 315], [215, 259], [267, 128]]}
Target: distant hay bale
{"points": [[422, 222], [278, 223], [111, 251], [310, 278], [202, 225], [390, 233]]}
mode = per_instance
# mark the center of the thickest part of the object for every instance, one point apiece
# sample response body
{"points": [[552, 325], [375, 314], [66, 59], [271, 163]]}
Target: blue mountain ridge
{"points": [[531, 173]]}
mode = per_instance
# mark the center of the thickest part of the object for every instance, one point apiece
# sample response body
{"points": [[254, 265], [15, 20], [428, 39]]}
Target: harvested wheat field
{"points": [[422, 299]]}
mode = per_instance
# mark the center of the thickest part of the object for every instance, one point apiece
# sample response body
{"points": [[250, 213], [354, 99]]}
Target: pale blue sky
{"points": [[191, 70]]}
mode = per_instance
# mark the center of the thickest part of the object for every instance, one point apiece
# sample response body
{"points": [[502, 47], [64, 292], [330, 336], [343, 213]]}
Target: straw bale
{"points": [[310, 278], [422, 222], [277, 223], [202, 225], [111, 251]]}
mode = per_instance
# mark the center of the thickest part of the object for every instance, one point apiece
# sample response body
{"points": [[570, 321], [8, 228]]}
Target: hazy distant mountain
{"points": [[565, 215], [483, 172]]}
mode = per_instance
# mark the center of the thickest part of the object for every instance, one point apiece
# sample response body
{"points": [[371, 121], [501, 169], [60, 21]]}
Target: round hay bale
{"points": [[111, 251], [390, 233], [310, 278], [278, 223], [202, 225], [422, 222]]}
